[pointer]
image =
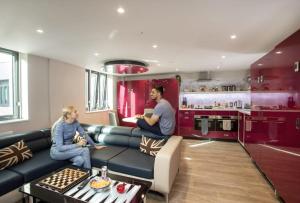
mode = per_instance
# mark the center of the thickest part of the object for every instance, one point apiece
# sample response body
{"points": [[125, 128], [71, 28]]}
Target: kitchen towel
{"points": [[227, 125], [204, 126], [248, 126]]}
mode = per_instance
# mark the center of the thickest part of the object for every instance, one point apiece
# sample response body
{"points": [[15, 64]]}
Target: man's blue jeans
{"points": [[155, 129]]}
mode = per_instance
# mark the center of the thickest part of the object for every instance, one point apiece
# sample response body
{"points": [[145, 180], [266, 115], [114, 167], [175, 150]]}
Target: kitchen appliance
{"points": [[221, 121], [211, 122], [239, 104]]}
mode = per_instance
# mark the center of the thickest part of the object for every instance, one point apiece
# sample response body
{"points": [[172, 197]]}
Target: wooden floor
{"points": [[218, 172]]}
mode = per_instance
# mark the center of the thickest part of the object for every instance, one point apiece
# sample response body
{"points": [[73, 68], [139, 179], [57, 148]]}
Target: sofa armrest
{"points": [[166, 164]]}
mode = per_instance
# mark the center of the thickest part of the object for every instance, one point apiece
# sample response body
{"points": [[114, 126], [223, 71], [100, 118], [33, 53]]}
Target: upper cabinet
{"points": [[274, 81]]}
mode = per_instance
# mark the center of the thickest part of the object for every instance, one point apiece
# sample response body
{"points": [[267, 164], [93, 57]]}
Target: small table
{"points": [[37, 192]]}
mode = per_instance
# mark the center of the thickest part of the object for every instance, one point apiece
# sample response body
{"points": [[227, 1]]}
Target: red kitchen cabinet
{"points": [[273, 141], [187, 124], [130, 100]]}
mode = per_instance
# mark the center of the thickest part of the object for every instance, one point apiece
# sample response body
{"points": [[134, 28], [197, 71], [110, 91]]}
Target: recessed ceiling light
{"points": [[121, 10], [260, 64], [158, 64], [177, 69], [96, 54], [232, 36], [151, 60], [154, 46], [223, 57], [278, 52], [40, 31], [218, 67]]}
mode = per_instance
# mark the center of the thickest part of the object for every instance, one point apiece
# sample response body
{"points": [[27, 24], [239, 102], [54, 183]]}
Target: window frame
{"points": [[98, 104], [16, 89]]}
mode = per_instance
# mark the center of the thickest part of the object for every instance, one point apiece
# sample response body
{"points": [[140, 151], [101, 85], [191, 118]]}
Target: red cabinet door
{"points": [[186, 123], [130, 99], [241, 123]]}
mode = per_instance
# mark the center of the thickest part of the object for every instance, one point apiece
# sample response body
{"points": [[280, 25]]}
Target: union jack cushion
{"points": [[14, 154], [151, 146]]}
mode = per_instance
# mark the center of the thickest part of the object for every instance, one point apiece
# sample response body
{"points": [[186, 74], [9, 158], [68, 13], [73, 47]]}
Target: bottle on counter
{"points": [[184, 101]]}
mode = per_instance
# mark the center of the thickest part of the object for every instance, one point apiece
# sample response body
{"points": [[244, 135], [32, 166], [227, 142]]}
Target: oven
{"points": [[227, 123], [211, 122]]}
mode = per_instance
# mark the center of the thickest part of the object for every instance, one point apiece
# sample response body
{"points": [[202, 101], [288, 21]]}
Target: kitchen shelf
{"points": [[219, 92], [246, 111]]}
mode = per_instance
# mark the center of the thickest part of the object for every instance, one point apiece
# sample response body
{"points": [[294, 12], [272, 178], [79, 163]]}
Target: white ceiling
{"points": [[191, 35]]}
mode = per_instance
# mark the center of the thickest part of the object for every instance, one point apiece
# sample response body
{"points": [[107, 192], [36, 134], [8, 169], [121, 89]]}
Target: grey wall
{"points": [[53, 84], [38, 98], [67, 87]]}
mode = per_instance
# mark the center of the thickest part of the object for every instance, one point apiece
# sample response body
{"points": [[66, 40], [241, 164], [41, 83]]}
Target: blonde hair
{"points": [[67, 111]]}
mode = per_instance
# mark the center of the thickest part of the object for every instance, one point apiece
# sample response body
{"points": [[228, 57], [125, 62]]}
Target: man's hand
{"points": [[99, 147], [139, 116]]}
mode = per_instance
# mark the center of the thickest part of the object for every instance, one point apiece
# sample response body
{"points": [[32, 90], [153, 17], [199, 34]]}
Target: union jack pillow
{"points": [[14, 154], [151, 146]]}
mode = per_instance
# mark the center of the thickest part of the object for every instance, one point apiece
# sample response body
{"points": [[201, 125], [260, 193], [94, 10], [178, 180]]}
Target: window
{"points": [[96, 94], [4, 93], [9, 85]]}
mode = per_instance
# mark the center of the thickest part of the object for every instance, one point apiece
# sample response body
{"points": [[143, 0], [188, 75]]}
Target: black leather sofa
{"points": [[122, 155], [40, 164]]}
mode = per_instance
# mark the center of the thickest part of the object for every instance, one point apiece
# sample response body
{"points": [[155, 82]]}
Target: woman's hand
{"points": [[82, 142], [99, 147]]}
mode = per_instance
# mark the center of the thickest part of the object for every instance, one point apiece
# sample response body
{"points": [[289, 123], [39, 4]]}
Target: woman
{"points": [[63, 132]]}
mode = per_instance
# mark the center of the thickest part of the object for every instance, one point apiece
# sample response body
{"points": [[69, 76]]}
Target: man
{"points": [[162, 121]]}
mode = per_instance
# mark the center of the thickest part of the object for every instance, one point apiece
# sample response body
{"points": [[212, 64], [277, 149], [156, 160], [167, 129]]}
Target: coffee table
{"points": [[36, 192]]}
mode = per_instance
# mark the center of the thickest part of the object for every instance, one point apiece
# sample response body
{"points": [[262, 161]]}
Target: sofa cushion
{"points": [[151, 146], [134, 142], [7, 140], [38, 144], [111, 139], [47, 133], [100, 157], [133, 162], [9, 180], [117, 130], [96, 129], [14, 154], [39, 165], [137, 132]]}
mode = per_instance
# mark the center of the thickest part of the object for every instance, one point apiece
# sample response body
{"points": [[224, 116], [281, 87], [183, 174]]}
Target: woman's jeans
{"points": [[79, 156]]}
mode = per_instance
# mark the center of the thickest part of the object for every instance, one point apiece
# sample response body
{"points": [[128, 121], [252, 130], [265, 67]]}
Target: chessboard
{"points": [[63, 180]]}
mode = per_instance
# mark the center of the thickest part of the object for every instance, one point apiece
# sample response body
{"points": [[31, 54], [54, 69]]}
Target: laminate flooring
{"points": [[217, 172]]}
